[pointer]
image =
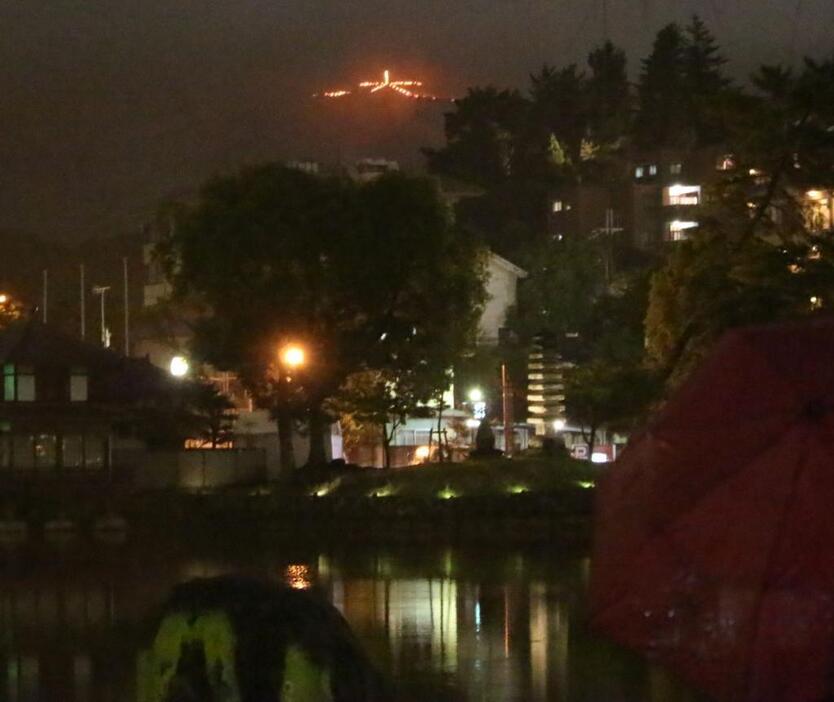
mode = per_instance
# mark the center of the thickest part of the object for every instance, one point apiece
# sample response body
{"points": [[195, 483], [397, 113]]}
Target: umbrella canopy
{"points": [[714, 541]]}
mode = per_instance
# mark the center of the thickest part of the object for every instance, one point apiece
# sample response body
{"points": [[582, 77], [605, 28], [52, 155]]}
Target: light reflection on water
{"points": [[445, 625]]}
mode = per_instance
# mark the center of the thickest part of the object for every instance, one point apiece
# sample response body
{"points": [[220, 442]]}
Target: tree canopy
{"points": [[361, 275]]}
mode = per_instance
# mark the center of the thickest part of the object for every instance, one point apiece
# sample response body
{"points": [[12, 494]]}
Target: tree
{"points": [[556, 299], [661, 117], [382, 400], [481, 136], [213, 415], [759, 255], [559, 111], [705, 83], [604, 393], [358, 274], [609, 98]]}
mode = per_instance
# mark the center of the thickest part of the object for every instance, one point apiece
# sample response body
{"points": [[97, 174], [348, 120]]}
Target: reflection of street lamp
{"points": [[179, 366]]}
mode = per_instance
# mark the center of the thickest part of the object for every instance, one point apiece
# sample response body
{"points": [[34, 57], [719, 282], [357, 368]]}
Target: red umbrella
{"points": [[714, 543]]}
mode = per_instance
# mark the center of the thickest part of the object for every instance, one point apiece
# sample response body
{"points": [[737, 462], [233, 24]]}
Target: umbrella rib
{"points": [[768, 565]]}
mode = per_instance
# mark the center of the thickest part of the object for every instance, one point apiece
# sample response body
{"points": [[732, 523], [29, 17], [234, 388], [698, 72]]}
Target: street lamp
{"points": [[179, 366], [559, 424], [476, 395], [3, 298], [293, 356]]}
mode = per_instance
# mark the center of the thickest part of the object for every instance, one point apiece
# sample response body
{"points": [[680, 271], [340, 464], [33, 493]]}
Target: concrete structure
{"points": [[545, 389], [501, 283]]}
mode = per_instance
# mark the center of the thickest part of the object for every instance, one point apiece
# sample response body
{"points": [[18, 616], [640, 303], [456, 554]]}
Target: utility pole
{"points": [[45, 292], [608, 231], [101, 291], [82, 296], [507, 410], [127, 309]]}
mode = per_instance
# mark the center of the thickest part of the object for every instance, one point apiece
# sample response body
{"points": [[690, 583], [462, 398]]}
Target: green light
{"points": [[586, 484], [447, 493]]}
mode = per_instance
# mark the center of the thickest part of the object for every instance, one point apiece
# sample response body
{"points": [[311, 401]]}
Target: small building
{"points": [[501, 285], [67, 406]]}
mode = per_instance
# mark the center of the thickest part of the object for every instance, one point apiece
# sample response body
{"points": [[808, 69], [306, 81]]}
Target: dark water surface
{"points": [[446, 624]]}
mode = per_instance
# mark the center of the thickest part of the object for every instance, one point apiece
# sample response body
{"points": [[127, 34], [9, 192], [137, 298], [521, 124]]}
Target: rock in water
{"points": [[238, 640]]}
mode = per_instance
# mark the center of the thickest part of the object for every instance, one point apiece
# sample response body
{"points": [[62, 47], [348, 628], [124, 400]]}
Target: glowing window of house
{"points": [[682, 195], [72, 451], [678, 230], [78, 385], [46, 453], [639, 172], [5, 450], [653, 169], [95, 452], [8, 382], [557, 205], [819, 213], [25, 381], [675, 168]]}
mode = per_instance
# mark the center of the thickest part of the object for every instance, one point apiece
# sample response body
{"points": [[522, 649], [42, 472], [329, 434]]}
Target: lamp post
{"points": [[101, 291], [291, 357]]}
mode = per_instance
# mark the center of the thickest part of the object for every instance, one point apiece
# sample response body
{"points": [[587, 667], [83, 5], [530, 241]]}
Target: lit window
{"points": [[682, 195], [676, 168], [639, 172], [678, 229], [816, 302], [8, 382], [72, 451], [557, 205], [95, 452], [18, 383], [653, 170], [78, 385], [45, 450]]}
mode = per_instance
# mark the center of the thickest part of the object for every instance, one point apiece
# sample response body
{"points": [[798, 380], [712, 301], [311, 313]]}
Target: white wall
{"points": [[501, 291]]}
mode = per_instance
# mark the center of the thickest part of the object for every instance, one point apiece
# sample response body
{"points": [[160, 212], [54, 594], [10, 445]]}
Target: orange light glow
{"points": [[293, 356], [403, 87]]}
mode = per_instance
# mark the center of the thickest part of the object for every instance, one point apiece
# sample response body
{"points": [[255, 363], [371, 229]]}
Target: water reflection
{"points": [[453, 625]]}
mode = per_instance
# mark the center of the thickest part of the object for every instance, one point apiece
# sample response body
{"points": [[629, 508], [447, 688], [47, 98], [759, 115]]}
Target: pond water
{"points": [[500, 625]]}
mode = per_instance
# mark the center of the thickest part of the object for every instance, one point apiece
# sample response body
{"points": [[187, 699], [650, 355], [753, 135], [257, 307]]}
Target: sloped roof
{"points": [[29, 342]]}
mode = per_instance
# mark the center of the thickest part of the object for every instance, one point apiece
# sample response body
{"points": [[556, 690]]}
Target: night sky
{"points": [[108, 105]]}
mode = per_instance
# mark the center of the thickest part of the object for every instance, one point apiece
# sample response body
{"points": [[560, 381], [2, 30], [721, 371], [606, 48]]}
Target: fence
{"points": [[199, 469]]}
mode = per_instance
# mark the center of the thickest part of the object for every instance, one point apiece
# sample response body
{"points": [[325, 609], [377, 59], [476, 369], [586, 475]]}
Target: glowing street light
{"points": [[3, 298], [476, 395], [293, 356], [179, 366], [559, 424]]}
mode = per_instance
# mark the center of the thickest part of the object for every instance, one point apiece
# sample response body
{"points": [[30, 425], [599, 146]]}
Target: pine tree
{"points": [[609, 101], [662, 92], [706, 85], [559, 107]]}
